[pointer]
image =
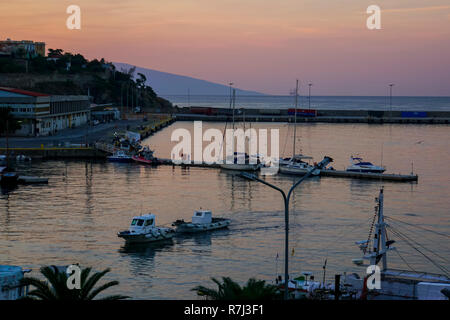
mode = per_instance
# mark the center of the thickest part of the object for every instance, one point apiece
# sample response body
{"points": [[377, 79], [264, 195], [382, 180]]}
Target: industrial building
{"points": [[42, 114]]}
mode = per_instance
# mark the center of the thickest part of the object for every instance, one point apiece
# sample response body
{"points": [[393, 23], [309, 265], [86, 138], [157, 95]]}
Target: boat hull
{"points": [[121, 160], [153, 161], [145, 238], [240, 167], [364, 170], [189, 227], [296, 171]]}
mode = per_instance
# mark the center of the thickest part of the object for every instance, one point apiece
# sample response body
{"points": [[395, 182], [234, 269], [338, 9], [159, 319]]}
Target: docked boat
{"points": [[202, 220], [143, 229], [146, 156], [240, 162], [358, 165], [297, 165], [394, 283], [120, 156]]}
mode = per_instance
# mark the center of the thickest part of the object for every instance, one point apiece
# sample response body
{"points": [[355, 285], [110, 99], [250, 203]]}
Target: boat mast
{"points": [[295, 118], [379, 241], [234, 104]]}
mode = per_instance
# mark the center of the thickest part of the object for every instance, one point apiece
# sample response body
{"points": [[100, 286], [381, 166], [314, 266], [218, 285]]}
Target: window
{"points": [[148, 222], [134, 222], [140, 222], [199, 214]]}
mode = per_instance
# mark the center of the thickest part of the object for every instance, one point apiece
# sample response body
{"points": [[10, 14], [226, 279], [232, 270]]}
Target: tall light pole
{"points": [[295, 118], [390, 98], [310, 85], [326, 160]]}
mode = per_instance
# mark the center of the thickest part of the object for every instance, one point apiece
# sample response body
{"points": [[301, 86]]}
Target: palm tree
{"points": [[231, 290], [55, 288]]}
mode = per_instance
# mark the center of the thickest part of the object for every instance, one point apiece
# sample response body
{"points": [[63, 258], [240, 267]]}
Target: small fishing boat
{"points": [[202, 220], [358, 165], [145, 156], [241, 162], [120, 156], [143, 229]]}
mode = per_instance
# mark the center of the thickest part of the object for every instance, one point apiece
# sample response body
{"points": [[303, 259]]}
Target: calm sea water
{"points": [[76, 217], [317, 102]]}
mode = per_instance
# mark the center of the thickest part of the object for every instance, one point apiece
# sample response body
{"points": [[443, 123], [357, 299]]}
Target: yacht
{"points": [[241, 162], [202, 220], [358, 165], [143, 229], [296, 165]]}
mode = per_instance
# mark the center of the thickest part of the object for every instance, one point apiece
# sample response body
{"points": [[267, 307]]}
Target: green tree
{"points": [[7, 120], [231, 290], [55, 288]]}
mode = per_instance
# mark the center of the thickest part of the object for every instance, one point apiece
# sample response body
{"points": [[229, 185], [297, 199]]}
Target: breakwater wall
{"points": [[330, 116]]}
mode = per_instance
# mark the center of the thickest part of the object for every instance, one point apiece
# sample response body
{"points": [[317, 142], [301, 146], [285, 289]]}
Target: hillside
{"points": [[166, 84], [71, 74]]}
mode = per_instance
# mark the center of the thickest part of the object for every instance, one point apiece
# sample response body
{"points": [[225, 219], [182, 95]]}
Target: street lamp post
{"points": [[310, 85], [390, 98], [326, 160]]}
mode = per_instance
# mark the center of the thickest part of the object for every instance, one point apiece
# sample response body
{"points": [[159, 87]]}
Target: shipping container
{"points": [[414, 114], [303, 112]]}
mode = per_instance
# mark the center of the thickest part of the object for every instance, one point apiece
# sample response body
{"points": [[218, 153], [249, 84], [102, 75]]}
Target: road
{"points": [[74, 136]]}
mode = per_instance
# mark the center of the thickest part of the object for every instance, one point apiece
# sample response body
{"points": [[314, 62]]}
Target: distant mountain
{"points": [[166, 84]]}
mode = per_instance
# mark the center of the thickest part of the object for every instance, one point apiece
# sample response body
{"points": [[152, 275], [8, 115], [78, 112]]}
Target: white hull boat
{"points": [[358, 165], [240, 162], [296, 165], [201, 221], [143, 229]]}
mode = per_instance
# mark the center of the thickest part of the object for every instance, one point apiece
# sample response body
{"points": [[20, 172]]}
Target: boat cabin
{"points": [[202, 216], [142, 223]]}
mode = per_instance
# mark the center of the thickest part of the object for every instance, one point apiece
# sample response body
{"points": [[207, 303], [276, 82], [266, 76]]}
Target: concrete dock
{"points": [[324, 173]]}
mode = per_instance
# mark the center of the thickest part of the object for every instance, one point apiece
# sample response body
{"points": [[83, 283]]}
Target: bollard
{"points": [[337, 281]]}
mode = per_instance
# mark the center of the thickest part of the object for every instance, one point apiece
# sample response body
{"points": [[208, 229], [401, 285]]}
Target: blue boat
{"points": [[120, 156]]}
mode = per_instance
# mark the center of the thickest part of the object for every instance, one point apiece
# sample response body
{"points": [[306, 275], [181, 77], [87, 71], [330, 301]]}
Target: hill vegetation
{"points": [[64, 73]]}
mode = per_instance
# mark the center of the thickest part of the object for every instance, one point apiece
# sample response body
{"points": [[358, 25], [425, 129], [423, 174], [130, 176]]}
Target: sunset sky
{"points": [[261, 45]]}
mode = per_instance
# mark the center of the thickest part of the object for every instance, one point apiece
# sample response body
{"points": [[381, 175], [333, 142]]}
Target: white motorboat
{"points": [[358, 165], [120, 156], [143, 229], [202, 220]]}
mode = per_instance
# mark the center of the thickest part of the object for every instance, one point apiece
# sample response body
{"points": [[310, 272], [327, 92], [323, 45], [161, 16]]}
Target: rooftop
{"points": [[24, 92]]}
